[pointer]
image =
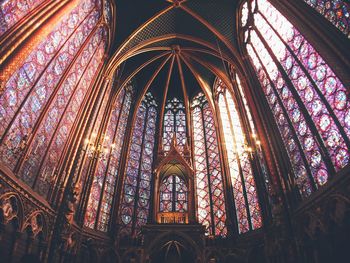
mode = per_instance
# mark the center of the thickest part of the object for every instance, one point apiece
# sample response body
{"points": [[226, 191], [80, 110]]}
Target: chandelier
{"points": [[101, 150]]}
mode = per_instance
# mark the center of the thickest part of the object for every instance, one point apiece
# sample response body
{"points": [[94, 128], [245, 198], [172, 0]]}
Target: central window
{"points": [[173, 194], [174, 124]]}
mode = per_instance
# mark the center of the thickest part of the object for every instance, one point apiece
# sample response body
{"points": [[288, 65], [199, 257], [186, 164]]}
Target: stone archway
{"points": [[173, 248]]}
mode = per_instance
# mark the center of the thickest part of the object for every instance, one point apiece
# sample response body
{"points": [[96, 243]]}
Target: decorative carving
{"points": [[71, 241], [339, 205], [73, 195], [36, 223], [9, 206]]}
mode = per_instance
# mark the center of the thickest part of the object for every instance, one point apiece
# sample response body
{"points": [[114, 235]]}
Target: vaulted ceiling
{"points": [[174, 48]]}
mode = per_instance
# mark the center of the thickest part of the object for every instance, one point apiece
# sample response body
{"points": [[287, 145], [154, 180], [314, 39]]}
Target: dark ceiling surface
{"points": [[201, 32], [133, 13]]}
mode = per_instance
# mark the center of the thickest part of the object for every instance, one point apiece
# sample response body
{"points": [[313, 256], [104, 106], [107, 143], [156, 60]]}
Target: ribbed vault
{"points": [[178, 49]]}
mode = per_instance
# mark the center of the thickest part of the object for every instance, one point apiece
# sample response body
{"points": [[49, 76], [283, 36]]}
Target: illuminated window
{"points": [[135, 201], [43, 68], [254, 139], [93, 131], [239, 161], [336, 11], [13, 11], [173, 194], [107, 10], [43, 96], [174, 123], [209, 179], [307, 99], [103, 186]]}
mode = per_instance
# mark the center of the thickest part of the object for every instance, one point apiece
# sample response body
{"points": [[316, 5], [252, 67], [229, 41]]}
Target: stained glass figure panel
{"points": [[135, 201], [336, 11], [248, 210], [173, 194], [174, 124], [102, 190], [69, 33], [307, 98], [54, 127], [44, 95], [209, 181], [13, 11]]}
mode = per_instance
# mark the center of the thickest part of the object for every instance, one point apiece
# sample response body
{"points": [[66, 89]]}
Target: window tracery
{"points": [[208, 172], [41, 100], [13, 11], [103, 186], [337, 12], [174, 124], [248, 210], [135, 203], [173, 194], [308, 100]]}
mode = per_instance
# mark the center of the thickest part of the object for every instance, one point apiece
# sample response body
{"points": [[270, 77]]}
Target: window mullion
{"points": [[208, 175], [134, 217], [319, 93], [324, 151], [285, 113], [39, 77], [109, 158], [174, 125], [238, 162]]}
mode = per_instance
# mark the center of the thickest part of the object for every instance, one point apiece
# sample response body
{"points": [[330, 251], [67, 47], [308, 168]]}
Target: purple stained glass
{"points": [[173, 194], [335, 11], [13, 11], [134, 208], [46, 87], [313, 92], [209, 181], [46, 54], [64, 127], [174, 124], [317, 69], [248, 210], [70, 89], [107, 171]]}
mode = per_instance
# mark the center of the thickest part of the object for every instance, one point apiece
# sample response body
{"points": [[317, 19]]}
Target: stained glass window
{"points": [[336, 11], [209, 178], [55, 126], [256, 144], [239, 161], [44, 66], [13, 11], [103, 185], [44, 95], [93, 130], [174, 124], [134, 208], [107, 10], [308, 100], [173, 194]]}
